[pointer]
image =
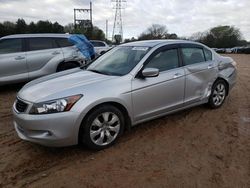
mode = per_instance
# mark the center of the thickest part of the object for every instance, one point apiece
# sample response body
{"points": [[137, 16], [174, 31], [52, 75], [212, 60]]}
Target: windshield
{"points": [[118, 61]]}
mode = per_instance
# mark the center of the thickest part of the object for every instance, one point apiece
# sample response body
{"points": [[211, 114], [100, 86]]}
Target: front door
{"points": [[158, 95], [13, 64]]}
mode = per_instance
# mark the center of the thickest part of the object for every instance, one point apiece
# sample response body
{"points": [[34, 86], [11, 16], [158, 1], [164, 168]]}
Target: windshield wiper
{"points": [[85, 65]]}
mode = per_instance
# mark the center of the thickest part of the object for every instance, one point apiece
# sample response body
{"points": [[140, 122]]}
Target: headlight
{"points": [[55, 106]]}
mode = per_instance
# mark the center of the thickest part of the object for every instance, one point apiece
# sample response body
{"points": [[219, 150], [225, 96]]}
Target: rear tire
{"points": [[102, 127], [218, 94], [66, 66]]}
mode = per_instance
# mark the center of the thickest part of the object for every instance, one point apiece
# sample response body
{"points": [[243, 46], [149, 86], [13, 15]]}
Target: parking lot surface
{"points": [[198, 147]]}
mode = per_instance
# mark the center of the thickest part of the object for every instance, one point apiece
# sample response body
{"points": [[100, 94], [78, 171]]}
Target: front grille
{"points": [[21, 106]]}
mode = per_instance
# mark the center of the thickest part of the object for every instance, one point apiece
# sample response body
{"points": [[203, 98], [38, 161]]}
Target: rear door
{"points": [[12, 60], [158, 95], [68, 49], [43, 55], [200, 72]]}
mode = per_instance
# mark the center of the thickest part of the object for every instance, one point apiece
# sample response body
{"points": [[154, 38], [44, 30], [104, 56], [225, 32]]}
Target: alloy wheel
{"points": [[219, 94], [105, 128]]}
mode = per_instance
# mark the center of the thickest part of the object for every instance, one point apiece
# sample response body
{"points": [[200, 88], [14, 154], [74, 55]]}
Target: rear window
{"points": [[10, 46], [41, 43], [208, 54], [64, 42], [192, 55], [97, 44]]}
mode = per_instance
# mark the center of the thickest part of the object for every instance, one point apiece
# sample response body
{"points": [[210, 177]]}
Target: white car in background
{"points": [[100, 46], [24, 57]]}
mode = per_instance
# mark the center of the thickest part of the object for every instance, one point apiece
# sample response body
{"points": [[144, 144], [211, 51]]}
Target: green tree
{"points": [[32, 28], [93, 33], [57, 28], [21, 26], [157, 31], [8, 28], [220, 37], [44, 27]]}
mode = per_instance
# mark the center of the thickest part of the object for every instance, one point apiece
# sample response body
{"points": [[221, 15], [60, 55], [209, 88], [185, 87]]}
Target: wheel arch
{"points": [[118, 105], [226, 82]]}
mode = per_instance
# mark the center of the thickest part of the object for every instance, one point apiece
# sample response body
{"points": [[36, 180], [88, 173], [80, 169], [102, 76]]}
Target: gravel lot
{"points": [[198, 147]]}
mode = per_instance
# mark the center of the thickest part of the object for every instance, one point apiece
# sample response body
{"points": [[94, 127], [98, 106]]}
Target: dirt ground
{"points": [[198, 147]]}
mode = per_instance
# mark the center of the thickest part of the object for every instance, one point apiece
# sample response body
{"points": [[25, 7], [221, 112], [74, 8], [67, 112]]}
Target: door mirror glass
{"points": [[150, 72]]}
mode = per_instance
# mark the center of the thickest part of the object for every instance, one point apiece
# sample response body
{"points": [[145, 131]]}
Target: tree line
{"points": [[217, 37], [220, 37], [21, 27]]}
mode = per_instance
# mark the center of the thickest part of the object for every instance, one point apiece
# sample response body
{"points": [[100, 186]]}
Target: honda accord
{"points": [[128, 85]]}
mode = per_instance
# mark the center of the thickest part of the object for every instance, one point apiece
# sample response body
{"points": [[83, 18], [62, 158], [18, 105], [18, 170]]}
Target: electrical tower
{"points": [[117, 28], [79, 17]]}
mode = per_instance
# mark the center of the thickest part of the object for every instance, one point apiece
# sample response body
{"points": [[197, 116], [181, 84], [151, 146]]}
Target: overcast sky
{"points": [[183, 17]]}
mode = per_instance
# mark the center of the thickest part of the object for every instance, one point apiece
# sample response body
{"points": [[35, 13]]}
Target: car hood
{"points": [[60, 85]]}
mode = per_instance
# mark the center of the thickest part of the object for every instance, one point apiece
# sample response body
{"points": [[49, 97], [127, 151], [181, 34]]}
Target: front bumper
{"points": [[54, 130]]}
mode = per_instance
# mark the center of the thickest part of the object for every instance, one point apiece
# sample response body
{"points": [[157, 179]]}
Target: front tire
{"points": [[102, 127], [218, 94]]}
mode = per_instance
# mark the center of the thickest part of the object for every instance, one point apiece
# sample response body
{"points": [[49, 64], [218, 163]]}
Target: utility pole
{"points": [[83, 22], [107, 29], [117, 28]]}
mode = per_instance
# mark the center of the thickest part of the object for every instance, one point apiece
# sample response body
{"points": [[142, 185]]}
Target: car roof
{"points": [[153, 43], [36, 35]]}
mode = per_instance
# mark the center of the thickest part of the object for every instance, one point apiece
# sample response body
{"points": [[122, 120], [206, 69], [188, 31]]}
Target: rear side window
{"points": [[10, 46], [208, 54], [164, 60], [97, 44], [41, 43], [64, 42], [192, 55]]}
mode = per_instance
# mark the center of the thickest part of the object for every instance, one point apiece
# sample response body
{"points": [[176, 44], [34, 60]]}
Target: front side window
{"points": [[164, 60], [119, 61], [10, 46], [192, 55], [41, 44], [97, 44]]}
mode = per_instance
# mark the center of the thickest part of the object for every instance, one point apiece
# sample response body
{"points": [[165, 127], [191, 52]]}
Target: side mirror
{"points": [[150, 72]]}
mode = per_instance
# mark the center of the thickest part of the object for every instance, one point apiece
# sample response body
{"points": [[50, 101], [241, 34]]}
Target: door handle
{"points": [[210, 66], [19, 57], [55, 53], [177, 75]]}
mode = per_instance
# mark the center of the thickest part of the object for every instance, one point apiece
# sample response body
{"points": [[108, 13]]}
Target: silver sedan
{"points": [[128, 85]]}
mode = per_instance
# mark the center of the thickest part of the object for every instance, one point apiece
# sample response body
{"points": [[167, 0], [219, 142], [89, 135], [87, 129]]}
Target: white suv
{"points": [[100, 47], [28, 56]]}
